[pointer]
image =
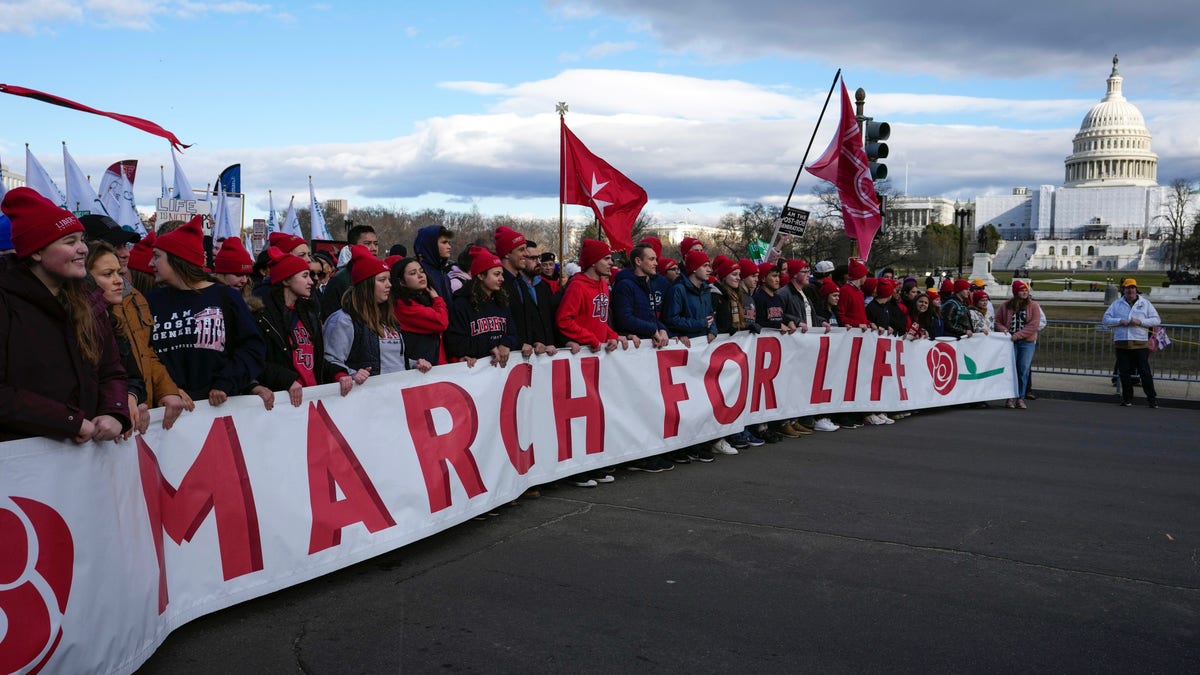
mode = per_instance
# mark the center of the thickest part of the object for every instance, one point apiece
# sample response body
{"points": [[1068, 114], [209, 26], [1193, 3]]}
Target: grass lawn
{"points": [[1182, 314]]}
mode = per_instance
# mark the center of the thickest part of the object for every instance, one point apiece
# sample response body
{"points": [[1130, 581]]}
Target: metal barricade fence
{"points": [[1085, 348]]}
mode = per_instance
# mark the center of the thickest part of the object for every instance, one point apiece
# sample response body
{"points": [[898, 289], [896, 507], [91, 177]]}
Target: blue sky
{"points": [[708, 104]]}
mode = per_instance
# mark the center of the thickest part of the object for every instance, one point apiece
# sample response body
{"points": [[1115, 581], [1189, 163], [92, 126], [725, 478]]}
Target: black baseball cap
{"points": [[102, 228]]}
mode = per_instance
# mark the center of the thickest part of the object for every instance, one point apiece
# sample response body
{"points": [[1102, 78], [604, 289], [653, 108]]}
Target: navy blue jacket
{"points": [[688, 308], [634, 310], [436, 267]]}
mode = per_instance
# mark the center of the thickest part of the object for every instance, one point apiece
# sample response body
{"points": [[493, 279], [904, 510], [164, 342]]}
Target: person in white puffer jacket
{"points": [[1132, 317]]}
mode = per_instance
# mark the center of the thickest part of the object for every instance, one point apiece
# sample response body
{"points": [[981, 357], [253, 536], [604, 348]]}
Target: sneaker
{"points": [[1153, 404], [700, 455], [786, 430], [739, 440], [581, 481], [1010, 403], [886, 419], [800, 428], [680, 457], [661, 464], [850, 424], [769, 436], [875, 420], [752, 440], [825, 424], [902, 415], [602, 476], [722, 447], [1126, 404], [1020, 404], [1031, 396]]}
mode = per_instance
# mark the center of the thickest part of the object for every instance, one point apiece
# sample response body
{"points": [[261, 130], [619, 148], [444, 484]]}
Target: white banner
{"points": [[107, 548]]}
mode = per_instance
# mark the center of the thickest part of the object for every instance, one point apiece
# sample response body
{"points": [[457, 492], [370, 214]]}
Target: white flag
{"points": [[222, 225], [272, 224], [162, 176], [318, 228], [182, 189], [116, 194], [37, 178], [291, 224], [81, 198]]}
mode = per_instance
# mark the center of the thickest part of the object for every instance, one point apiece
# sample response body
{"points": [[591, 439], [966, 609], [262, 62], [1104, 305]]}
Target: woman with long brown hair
{"points": [[132, 321], [60, 372], [1021, 318], [363, 337]]}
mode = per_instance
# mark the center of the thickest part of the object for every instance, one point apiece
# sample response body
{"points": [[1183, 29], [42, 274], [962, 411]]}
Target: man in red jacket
{"points": [[852, 303], [583, 311], [583, 320]]}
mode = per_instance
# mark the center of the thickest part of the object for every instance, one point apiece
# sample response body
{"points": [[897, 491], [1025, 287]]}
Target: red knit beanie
{"points": [[947, 286], [723, 267], [289, 242], [795, 267], [961, 285], [507, 239], [665, 264], [868, 286], [933, 294], [232, 258], [976, 296], [687, 244], [828, 286], [1017, 285], [282, 266], [139, 256], [593, 251], [275, 238], [857, 270], [392, 260], [185, 243], [363, 264], [654, 243], [36, 221], [749, 267], [885, 287], [694, 260], [482, 260], [764, 269]]}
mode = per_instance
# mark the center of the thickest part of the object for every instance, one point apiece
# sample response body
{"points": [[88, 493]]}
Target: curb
{"points": [[1113, 399]]}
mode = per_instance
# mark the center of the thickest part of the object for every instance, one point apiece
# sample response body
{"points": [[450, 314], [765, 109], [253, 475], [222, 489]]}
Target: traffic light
{"points": [[876, 149]]}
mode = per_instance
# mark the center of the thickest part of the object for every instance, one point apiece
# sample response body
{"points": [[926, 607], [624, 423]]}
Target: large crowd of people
{"points": [[99, 325]]}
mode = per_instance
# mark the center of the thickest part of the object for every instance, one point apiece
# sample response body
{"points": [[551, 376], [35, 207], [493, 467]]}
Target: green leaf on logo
{"points": [[970, 364]]}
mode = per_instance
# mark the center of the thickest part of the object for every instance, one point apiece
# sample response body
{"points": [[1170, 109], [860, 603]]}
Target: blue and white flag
{"points": [[81, 198], [291, 224], [272, 221], [182, 188], [162, 176], [318, 228], [37, 178]]}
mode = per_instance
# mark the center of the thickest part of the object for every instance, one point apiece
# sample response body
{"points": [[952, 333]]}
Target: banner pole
{"points": [[561, 109], [807, 150]]}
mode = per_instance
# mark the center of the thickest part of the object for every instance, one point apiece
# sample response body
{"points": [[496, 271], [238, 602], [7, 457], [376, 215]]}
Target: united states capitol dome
{"points": [[1112, 147]]}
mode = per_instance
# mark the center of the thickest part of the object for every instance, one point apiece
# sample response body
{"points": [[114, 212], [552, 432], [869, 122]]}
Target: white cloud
{"points": [[28, 16]]}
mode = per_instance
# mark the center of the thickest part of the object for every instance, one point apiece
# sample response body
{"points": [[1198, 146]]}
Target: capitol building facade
{"points": [[1109, 213]]}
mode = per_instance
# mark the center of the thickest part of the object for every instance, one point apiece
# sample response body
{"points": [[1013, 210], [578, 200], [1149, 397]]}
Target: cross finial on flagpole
{"points": [[561, 108]]}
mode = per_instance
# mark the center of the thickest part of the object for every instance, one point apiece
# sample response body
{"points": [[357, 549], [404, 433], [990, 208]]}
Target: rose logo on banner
{"points": [[33, 593], [942, 361], [943, 367]]}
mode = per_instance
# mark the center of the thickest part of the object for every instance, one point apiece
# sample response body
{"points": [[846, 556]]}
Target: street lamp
{"points": [[961, 214]]}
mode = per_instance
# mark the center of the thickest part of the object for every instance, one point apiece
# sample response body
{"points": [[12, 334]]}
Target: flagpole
{"points": [[561, 109], [788, 202]]}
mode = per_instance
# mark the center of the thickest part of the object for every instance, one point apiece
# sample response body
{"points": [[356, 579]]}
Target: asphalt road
{"points": [[1063, 538]]}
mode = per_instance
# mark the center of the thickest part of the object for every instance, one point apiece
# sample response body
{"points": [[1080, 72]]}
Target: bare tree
{"points": [[1177, 215]]}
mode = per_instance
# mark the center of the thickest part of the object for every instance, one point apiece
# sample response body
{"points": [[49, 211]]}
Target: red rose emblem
{"points": [[943, 367], [34, 589]]}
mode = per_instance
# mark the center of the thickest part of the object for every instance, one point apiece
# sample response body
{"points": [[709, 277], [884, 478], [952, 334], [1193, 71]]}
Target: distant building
{"points": [[1107, 215], [11, 180], [341, 206]]}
